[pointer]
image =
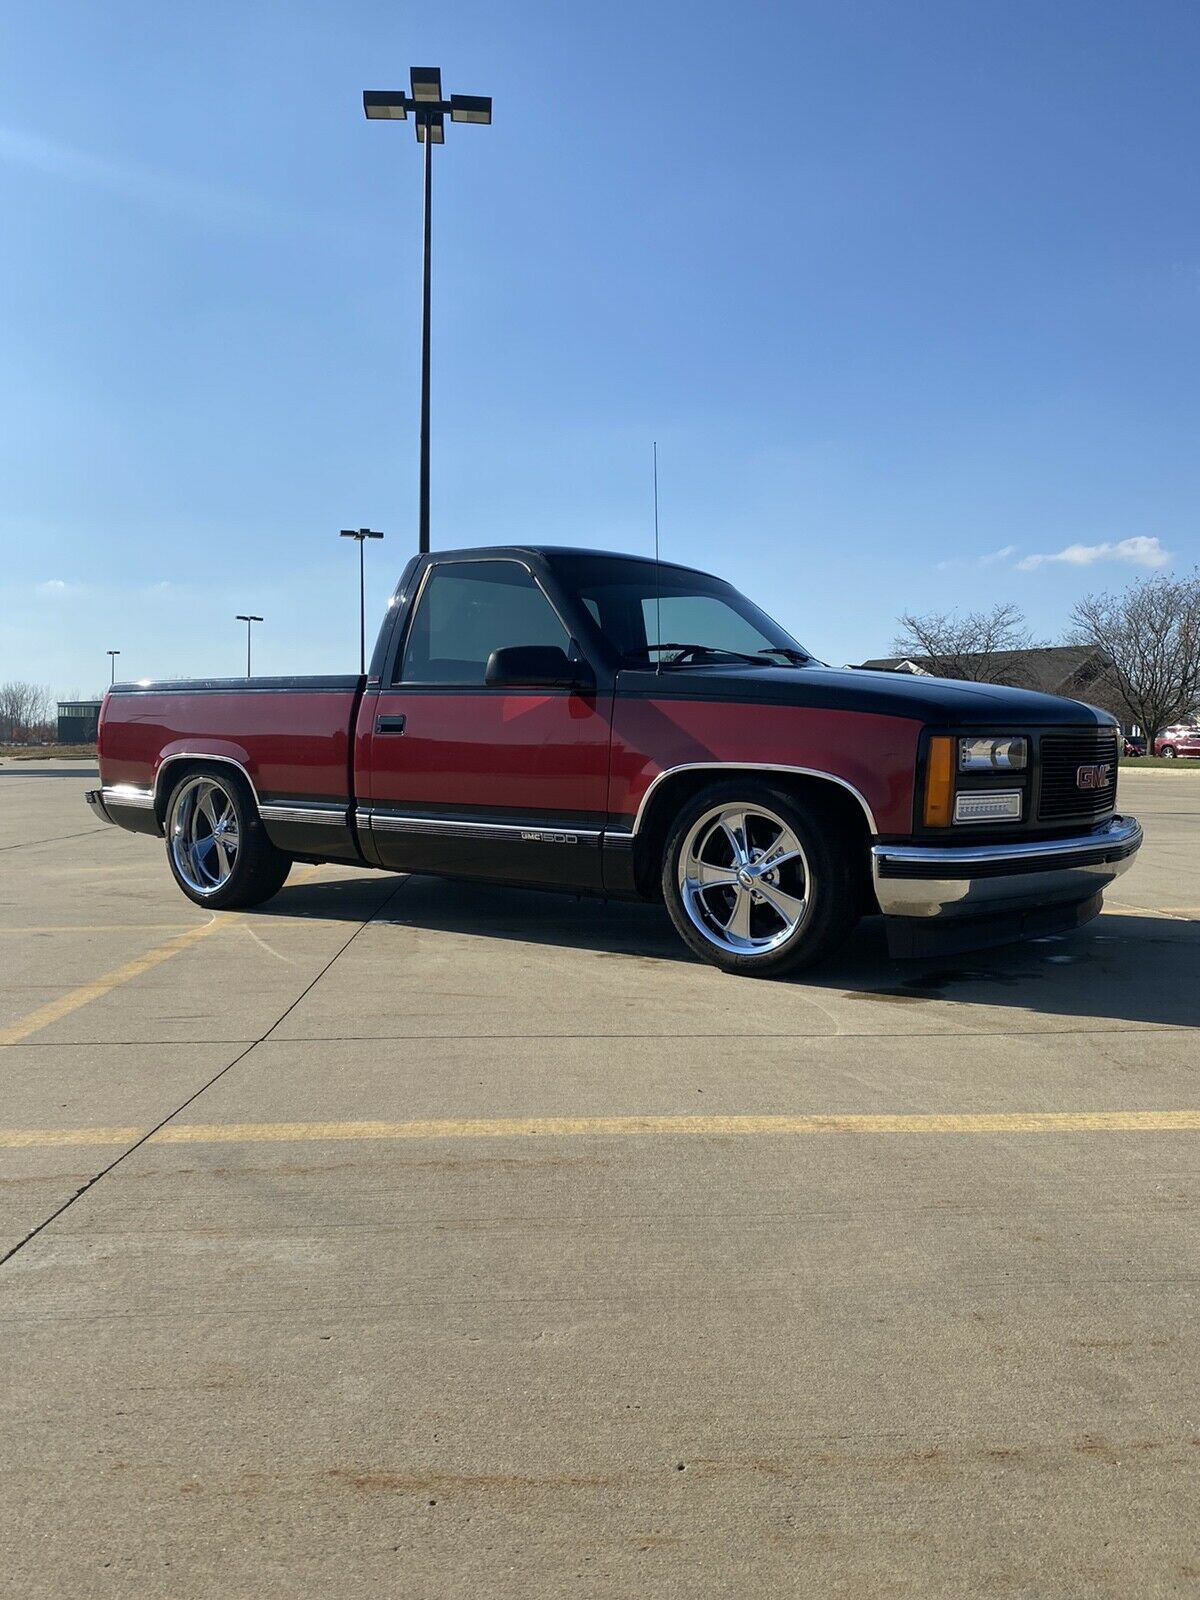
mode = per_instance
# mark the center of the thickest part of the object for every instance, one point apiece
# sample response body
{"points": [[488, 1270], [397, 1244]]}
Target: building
{"points": [[1076, 671], [77, 721]]}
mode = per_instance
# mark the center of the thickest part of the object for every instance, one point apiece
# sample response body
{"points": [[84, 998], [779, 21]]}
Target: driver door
{"points": [[504, 783]]}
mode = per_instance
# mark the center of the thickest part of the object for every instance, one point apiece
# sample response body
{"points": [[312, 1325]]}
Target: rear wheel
{"points": [[758, 881], [217, 848]]}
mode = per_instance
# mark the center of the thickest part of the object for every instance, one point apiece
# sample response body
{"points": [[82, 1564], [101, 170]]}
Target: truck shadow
{"points": [[1125, 967]]}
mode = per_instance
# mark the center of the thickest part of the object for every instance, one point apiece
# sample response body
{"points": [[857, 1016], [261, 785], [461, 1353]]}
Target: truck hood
{"points": [[945, 702]]}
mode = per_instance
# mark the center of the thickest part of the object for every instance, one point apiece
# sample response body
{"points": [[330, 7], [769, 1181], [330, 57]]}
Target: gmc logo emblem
{"points": [[1094, 776]]}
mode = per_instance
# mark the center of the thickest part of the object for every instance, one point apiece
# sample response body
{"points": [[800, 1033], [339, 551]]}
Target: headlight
{"points": [[1005, 754]]}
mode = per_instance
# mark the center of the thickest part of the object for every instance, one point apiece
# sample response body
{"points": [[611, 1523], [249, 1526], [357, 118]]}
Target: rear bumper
{"points": [[95, 800], [125, 806], [964, 881]]}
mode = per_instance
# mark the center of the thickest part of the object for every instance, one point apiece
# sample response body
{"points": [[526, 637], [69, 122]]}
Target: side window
{"points": [[468, 609]]}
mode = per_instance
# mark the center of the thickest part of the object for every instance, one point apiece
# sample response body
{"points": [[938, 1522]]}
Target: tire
{"points": [[742, 918], [1168, 752], [217, 847]]}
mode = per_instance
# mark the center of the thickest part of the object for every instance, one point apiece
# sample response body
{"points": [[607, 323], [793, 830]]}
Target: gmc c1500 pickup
{"points": [[611, 726]]}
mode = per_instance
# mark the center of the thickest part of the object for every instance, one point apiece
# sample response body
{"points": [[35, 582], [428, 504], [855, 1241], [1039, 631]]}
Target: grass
{"points": [[48, 752], [1179, 763]]}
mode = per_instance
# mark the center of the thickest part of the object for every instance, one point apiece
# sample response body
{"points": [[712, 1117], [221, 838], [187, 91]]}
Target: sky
{"points": [[909, 296]]}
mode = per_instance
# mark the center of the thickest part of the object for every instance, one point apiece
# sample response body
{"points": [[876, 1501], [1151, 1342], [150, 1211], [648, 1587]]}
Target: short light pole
{"points": [[112, 661], [429, 111], [362, 535], [249, 621]]}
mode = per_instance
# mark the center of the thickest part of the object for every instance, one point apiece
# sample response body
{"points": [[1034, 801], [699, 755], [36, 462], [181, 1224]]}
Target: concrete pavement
{"points": [[593, 1357]]}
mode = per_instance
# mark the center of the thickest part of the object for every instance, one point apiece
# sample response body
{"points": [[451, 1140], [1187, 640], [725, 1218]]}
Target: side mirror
{"points": [[537, 666]]}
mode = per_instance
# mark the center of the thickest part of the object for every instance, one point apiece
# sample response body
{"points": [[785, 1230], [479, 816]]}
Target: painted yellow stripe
{"points": [[617, 1127], [55, 1010]]}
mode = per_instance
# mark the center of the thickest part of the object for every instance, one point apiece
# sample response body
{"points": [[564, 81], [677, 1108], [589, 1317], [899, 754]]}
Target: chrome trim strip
{"points": [[203, 755], [378, 821], [328, 816], [127, 795], [752, 766]]}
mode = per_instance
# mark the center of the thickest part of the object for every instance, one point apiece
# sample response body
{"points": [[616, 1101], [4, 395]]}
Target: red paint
{"points": [[875, 754], [502, 751], [292, 744]]}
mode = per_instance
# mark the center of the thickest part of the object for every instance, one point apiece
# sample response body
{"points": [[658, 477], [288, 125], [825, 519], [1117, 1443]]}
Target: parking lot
{"points": [[408, 1238]]}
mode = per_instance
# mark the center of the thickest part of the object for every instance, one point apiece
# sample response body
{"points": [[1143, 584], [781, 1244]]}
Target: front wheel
{"points": [[217, 848], [1168, 752], [759, 882]]}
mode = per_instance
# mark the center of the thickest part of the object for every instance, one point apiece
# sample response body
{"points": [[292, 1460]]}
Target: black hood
{"points": [[945, 702]]}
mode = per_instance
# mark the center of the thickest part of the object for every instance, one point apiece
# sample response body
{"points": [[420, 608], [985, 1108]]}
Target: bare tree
{"points": [[1151, 634], [980, 646], [23, 707]]}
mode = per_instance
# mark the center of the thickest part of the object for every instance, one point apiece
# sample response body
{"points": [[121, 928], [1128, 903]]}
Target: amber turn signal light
{"points": [[939, 783]]}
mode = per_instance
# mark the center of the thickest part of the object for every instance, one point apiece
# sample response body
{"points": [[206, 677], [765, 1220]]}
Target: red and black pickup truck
{"points": [[611, 726]]}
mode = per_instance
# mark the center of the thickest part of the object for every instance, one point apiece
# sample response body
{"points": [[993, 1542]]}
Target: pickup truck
{"points": [[613, 726]]}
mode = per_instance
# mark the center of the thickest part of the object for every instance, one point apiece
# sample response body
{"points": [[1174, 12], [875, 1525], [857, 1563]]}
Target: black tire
{"points": [[199, 854], [1168, 752], [826, 878]]}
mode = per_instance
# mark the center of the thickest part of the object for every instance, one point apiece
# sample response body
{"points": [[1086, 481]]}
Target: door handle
{"points": [[390, 724]]}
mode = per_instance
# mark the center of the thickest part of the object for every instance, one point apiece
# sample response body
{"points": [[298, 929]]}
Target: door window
{"points": [[466, 610]]}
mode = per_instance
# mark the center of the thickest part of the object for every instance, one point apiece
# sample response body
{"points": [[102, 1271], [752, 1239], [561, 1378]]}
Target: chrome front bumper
{"points": [[928, 881]]}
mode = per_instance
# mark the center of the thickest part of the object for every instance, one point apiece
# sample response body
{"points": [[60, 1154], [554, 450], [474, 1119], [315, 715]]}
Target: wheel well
{"points": [[176, 767], [672, 793]]}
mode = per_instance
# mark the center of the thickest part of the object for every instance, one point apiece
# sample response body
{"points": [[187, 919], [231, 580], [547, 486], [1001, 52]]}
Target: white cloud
{"points": [[1139, 552], [52, 588], [980, 561]]}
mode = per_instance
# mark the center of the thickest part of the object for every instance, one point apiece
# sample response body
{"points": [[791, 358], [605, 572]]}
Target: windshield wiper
{"points": [[693, 653], [795, 658]]}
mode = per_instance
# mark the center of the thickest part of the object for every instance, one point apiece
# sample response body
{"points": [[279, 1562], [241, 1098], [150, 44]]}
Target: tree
{"points": [[1151, 635], [23, 706], [980, 646]]}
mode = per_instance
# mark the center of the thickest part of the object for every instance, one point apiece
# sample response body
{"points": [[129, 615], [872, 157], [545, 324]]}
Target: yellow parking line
{"points": [[616, 1127], [55, 1010]]}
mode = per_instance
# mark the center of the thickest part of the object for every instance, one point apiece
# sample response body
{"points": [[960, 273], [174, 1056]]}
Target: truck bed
{"points": [[291, 737]]}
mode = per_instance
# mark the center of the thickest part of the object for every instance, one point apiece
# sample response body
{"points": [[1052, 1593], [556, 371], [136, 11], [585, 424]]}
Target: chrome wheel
{"points": [[203, 834], [744, 879]]}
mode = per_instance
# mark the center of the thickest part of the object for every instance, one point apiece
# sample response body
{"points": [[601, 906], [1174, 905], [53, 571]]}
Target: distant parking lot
{"points": [[409, 1238]]}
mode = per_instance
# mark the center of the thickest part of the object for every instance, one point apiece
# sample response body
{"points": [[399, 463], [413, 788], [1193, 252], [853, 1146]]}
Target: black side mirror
{"points": [[537, 666]]}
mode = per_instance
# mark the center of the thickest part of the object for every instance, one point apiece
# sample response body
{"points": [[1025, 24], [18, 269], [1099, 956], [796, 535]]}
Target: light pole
{"points": [[248, 620], [429, 112], [112, 660], [362, 535]]}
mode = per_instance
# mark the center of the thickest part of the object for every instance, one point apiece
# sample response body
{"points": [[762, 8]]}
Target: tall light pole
{"points": [[362, 535], [429, 111], [248, 620], [112, 660]]}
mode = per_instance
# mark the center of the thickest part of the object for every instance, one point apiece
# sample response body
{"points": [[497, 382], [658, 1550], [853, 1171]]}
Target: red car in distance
{"points": [[1183, 739]]}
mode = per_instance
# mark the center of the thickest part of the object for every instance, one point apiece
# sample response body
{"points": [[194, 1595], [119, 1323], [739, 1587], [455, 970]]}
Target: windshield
{"points": [[674, 616]]}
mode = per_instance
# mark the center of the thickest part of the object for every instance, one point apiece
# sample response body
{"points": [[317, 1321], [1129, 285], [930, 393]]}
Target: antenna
{"points": [[657, 571]]}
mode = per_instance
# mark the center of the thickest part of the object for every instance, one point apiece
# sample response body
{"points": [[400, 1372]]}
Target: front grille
{"points": [[1062, 756]]}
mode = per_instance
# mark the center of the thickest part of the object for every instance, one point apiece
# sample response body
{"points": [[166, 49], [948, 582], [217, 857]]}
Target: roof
{"points": [[551, 551]]}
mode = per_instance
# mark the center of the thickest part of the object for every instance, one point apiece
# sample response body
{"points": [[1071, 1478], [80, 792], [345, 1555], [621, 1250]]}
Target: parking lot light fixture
{"points": [[362, 535], [112, 661], [429, 110], [249, 619]]}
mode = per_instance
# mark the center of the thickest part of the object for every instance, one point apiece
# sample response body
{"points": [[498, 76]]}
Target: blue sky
{"points": [[908, 295]]}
